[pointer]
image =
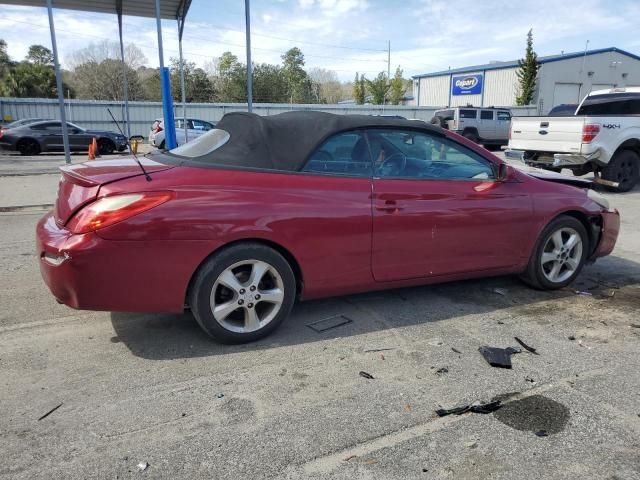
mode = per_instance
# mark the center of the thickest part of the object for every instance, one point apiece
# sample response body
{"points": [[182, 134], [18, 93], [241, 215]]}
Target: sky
{"points": [[349, 36]]}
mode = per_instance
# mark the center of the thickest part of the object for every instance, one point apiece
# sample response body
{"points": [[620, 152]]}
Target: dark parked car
{"points": [[46, 136], [261, 211]]}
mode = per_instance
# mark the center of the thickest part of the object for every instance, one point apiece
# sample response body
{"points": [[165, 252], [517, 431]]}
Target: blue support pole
{"points": [[165, 83], [167, 110]]}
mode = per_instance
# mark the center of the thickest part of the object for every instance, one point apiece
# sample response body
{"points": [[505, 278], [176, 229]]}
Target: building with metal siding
{"points": [[564, 78]]}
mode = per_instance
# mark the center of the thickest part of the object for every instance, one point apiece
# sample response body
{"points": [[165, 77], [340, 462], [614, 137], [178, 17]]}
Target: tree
{"points": [[527, 73], [327, 84], [398, 87], [32, 77], [359, 90], [269, 84], [97, 52], [198, 88], [378, 88], [230, 81], [104, 80], [299, 88], [39, 55]]}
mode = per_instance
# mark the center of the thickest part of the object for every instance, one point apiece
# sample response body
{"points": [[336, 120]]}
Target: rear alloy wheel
{"points": [[243, 293], [623, 168], [559, 254], [28, 146], [106, 146]]}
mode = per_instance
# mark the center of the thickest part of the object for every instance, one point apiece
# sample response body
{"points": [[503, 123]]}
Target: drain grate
{"points": [[329, 323]]}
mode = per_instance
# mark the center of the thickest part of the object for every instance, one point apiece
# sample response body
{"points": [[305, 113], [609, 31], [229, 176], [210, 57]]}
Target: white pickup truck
{"points": [[603, 137]]}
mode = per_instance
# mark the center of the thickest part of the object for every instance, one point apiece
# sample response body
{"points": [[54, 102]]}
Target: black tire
{"points": [[439, 122], [28, 146], [535, 275], [162, 144], [623, 168], [106, 146], [471, 135], [209, 273]]}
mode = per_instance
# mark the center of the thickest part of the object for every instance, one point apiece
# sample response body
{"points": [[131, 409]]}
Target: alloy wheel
{"points": [[247, 296], [562, 255]]}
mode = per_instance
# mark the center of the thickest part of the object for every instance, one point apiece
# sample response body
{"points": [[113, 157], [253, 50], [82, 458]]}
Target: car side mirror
{"points": [[503, 172]]}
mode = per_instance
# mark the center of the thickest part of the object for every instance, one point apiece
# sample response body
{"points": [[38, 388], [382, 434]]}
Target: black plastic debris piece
{"points": [[635, 325], [378, 350], [442, 371], [541, 433], [50, 412], [455, 350], [482, 408], [498, 357], [329, 323], [526, 347], [571, 337], [366, 375]]}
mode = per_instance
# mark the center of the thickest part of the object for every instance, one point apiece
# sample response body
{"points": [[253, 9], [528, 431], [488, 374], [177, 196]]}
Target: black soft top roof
{"points": [[285, 141]]}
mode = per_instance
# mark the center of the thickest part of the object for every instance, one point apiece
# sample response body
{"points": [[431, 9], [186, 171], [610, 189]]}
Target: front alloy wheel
{"points": [[558, 255], [242, 293], [562, 255]]}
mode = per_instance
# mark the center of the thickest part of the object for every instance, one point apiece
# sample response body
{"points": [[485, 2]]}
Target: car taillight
{"points": [[110, 210], [2, 132], [158, 129], [589, 132]]}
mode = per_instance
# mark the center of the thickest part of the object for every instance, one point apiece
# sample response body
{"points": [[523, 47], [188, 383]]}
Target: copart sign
{"points": [[466, 84]]}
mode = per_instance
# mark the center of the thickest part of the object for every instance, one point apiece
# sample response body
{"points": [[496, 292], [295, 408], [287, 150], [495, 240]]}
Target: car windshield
{"points": [[202, 145]]}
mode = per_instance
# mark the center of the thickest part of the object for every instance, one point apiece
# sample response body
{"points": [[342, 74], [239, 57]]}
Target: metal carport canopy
{"points": [[169, 9], [158, 9]]}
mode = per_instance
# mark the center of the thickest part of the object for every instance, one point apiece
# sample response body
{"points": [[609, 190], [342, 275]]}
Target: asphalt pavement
{"points": [[123, 395]]}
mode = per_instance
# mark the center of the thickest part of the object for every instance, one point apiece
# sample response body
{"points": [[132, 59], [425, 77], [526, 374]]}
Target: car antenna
{"points": [[146, 175]]}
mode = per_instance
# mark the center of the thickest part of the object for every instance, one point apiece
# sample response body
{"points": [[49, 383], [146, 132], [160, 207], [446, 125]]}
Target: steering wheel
{"points": [[393, 165]]}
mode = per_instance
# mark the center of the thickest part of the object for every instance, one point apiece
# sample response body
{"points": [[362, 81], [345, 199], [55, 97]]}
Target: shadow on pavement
{"points": [[169, 336]]}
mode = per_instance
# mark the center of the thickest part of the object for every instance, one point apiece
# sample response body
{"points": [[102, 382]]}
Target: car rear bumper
{"points": [[88, 272], [550, 159]]}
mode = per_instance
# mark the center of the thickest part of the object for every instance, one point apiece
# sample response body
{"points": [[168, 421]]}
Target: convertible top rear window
{"points": [[204, 144]]}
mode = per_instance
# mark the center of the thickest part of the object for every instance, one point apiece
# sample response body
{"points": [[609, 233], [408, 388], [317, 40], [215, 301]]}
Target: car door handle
{"points": [[389, 206]]}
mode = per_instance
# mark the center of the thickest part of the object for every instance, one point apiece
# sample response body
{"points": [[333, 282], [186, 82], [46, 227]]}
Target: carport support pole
{"points": [[125, 80], [247, 15], [56, 66], [167, 104], [182, 89]]}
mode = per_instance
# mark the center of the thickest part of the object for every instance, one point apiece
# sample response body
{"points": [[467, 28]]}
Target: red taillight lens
{"points": [[2, 132], [109, 210], [589, 132], [158, 129]]}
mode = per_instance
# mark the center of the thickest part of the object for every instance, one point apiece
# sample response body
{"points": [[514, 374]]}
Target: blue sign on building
{"points": [[466, 84]]}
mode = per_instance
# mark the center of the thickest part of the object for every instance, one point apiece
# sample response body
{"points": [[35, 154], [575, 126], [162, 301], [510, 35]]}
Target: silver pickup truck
{"points": [[603, 137]]}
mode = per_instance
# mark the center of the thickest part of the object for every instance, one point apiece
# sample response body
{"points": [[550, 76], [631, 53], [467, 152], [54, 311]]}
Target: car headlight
{"points": [[599, 199]]}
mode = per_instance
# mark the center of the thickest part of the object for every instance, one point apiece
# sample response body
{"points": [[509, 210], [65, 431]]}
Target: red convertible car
{"points": [[239, 223]]}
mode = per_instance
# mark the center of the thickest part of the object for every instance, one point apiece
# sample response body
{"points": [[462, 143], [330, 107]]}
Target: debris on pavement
{"points": [[50, 412], [350, 457], [366, 375], [442, 371], [529, 379], [378, 350], [582, 292], [142, 466], [498, 357], [635, 325], [455, 350], [541, 433], [526, 347], [220, 395], [329, 323], [482, 408], [571, 337], [471, 444], [500, 291]]}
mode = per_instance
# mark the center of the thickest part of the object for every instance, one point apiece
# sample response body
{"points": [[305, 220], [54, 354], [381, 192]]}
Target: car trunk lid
{"points": [[80, 183], [547, 134]]}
